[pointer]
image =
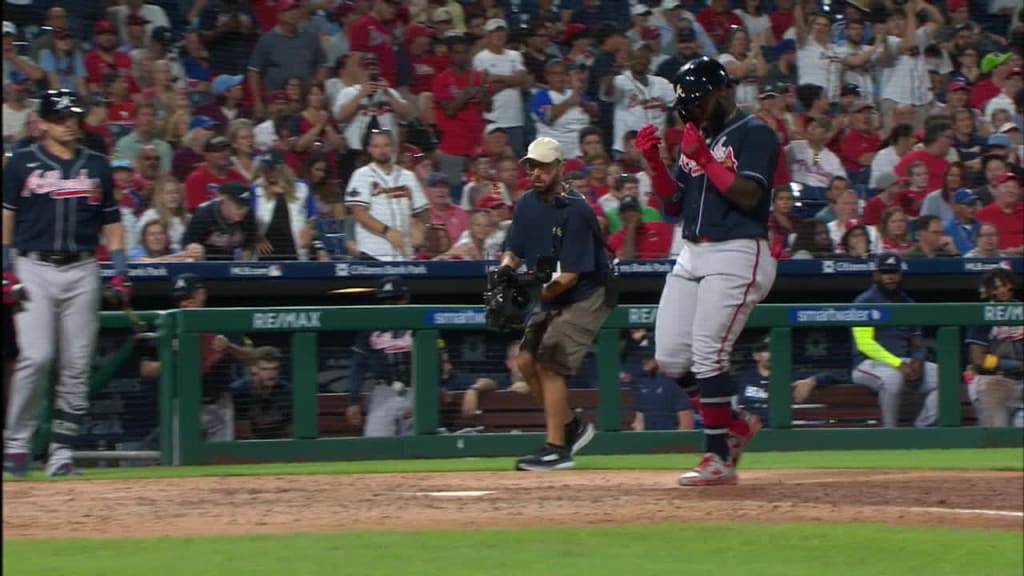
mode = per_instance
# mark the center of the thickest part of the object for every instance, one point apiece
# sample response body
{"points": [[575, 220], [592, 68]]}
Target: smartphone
{"points": [[374, 76]]}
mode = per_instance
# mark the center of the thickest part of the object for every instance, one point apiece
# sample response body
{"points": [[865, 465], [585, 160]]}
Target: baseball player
{"points": [[997, 355], [387, 203], [886, 359], [382, 365], [58, 199], [722, 190]]}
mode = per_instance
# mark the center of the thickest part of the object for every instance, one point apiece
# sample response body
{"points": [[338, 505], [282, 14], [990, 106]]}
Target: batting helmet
{"points": [[696, 79], [392, 288], [56, 103], [185, 285]]}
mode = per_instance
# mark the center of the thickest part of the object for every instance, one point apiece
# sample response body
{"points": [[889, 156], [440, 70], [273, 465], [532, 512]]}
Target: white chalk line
{"points": [[457, 493], [965, 511]]}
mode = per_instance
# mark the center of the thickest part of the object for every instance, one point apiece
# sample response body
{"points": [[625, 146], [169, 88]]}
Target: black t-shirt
{"points": [[229, 50], [279, 232], [219, 237], [570, 232]]}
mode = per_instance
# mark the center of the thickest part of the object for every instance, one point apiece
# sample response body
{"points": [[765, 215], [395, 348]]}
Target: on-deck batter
{"points": [[721, 189], [58, 198]]}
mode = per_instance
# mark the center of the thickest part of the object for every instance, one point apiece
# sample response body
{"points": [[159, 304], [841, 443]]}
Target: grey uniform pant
{"points": [[888, 383], [59, 315], [389, 413]]}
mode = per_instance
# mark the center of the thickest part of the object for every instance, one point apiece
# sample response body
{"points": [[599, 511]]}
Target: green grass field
{"points": [[720, 550]]}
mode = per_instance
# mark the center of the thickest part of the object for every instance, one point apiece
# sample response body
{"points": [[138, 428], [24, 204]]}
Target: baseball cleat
{"points": [[578, 434], [547, 458], [16, 464], [711, 471], [741, 432], [63, 469]]}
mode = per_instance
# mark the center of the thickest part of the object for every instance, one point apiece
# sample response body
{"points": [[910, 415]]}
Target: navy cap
{"points": [[216, 144], [889, 262], [236, 192], [392, 287], [201, 121], [762, 344], [185, 285], [436, 178], [686, 34]]}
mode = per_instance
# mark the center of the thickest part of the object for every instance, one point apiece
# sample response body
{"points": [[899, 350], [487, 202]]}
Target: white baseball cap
{"points": [[671, 4], [495, 24], [10, 28], [1008, 127], [441, 14], [640, 10], [544, 150]]}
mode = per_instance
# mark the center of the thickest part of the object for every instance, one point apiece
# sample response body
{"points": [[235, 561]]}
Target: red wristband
{"points": [[720, 176]]}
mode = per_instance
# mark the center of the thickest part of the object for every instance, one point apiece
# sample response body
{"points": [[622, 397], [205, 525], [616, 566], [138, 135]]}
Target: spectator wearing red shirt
{"points": [[912, 197], [889, 195], [95, 119], [424, 62], [461, 99], [716, 19], [442, 212], [203, 184], [782, 221], [105, 58], [1006, 213], [637, 239], [859, 144], [375, 33], [998, 69], [937, 140]]}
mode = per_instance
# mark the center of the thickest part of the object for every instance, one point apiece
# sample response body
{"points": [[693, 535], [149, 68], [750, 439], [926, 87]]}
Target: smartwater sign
{"points": [[467, 317], [841, 314]]}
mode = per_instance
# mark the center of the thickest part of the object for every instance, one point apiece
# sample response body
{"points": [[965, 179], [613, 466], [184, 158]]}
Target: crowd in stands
{"points": [[237, 130]]}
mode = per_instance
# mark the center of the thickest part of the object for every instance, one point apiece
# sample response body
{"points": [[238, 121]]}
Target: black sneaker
{"points": [[547, 458], [578, 434]]}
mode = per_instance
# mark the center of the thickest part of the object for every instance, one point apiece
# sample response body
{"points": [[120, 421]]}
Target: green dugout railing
{"points": [[180, 390]]}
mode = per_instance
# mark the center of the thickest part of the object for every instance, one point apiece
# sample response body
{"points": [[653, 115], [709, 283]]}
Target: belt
{"points": [[698, 239], [60, 258]]}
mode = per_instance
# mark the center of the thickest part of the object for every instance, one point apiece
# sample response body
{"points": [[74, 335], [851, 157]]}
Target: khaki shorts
{"points": [[559, 339]]}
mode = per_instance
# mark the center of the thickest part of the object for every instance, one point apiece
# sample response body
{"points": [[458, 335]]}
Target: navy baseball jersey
{"points": [[750, 148], [659, 399], [61, 205], [381, 357], [563, 229], [219, 237], [1002, 341], [752, 390]]}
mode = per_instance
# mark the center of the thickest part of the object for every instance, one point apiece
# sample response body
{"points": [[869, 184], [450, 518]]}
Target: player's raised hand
{"points": [[694, 147], [649, 143]]}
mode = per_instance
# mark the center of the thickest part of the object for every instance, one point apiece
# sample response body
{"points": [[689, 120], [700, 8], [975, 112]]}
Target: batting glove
{"points": [[10, 281], [694, 147], [648, 143], [122, 286]]}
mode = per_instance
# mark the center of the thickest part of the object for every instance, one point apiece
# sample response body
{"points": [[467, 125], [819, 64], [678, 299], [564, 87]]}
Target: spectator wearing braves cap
{"points": [[205, 181], [227, 103], [286, 51], [187, 157], [229, 31]]}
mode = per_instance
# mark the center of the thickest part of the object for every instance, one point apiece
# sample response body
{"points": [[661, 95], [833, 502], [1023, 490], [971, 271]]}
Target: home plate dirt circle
{"points": [[240, 505]]}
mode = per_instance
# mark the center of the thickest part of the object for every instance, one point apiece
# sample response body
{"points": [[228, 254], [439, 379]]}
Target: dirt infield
{"points": [[240, 505]]}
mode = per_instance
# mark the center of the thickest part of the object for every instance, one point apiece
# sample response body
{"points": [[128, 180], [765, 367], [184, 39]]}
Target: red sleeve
{"points": [[615, 240], [872, 212], [901, 167], [360, 40], [848, 148]]}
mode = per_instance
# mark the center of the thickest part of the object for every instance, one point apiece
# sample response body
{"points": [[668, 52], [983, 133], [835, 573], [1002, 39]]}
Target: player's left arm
{"points": [[113, 230]]}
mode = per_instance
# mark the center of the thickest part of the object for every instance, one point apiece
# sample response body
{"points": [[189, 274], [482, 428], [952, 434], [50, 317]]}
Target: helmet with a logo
{"points": [[57, 103], [392, 288], [697, 79]]}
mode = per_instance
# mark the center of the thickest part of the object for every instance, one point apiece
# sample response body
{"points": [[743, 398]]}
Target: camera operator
{"points": [[553, 227]]}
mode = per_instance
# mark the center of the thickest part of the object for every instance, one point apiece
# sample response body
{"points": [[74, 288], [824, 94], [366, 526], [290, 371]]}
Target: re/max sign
{"points": [[1002, 312]]}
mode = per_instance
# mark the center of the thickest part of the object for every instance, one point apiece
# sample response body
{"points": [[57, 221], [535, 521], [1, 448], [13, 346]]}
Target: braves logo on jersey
{"points": [[53, 184], [724, 154], [396, 192]]}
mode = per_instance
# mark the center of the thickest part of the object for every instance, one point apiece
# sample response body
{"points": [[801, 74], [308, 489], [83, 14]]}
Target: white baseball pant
{"points": [[888, 383], [708, 296]]}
